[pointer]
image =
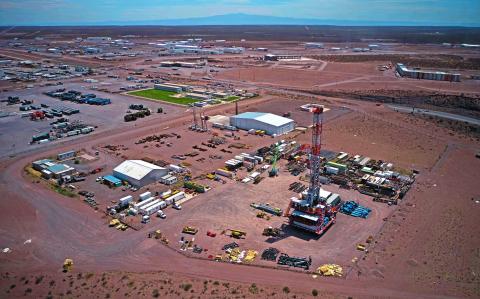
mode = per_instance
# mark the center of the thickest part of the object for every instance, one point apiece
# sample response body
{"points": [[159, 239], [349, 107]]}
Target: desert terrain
{"points": [[425, 246]]}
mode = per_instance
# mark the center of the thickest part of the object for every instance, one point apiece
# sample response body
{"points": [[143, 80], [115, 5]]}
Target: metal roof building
{"points": [[270, 123], [139, 173]]}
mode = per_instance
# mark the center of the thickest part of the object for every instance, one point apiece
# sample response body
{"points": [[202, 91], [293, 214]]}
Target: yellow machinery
{"points": [[190, 230], [272, 232], [114, 222], [159, 236], [361, 247], [67, 265], [330, 270], [237, 234], [263, 215]]}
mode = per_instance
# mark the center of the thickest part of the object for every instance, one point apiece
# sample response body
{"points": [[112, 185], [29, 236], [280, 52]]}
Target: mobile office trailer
{"points": [[153, 209], [124, 201], [145, 195], [148, 202], [176, 197], [145, 207], [145, 202]]}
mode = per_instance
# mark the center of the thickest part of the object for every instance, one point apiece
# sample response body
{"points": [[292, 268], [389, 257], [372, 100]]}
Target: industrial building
{"points": [[275, 57], [172, 87], [314, 46], [50, 169], [139, 173], [403, 71], [66, 155], [270, 123]]}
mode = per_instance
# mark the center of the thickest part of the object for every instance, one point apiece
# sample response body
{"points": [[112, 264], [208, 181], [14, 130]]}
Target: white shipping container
{"points": [[125, 200], [331, 170], [145, 195], [144, 202], [152, 209], [169, 201], [144, 207], [177, 197]]}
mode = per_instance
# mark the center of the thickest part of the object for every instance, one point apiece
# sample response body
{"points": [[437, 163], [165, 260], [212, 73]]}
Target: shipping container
{"points": [[145, 202], [331, 170], [145, 195], [124, 201], [153, 208], [224, 173], [176, 197], [142, 209]]}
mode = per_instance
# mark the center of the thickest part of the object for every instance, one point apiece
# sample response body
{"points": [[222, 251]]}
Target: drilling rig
{"points": [[311, 212]]}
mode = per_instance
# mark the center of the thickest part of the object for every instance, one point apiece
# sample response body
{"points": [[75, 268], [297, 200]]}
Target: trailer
{"points": [[153, 209], [145, 195], [124, 201], [146, 206], [138, 205], [176, 197]]}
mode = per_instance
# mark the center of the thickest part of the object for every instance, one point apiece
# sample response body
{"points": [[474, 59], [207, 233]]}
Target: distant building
{"points": [[314, 46], [98, 39], [139, 173], [270, 123], [275, 57], [403, 71]]}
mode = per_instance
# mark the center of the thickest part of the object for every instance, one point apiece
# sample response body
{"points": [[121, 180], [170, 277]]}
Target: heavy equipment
{"points": [[271, 232], [237, 234], [158, 235], [311, 212], [114, 222], [190, 230], [67, 265], [267, 208], [274, 170], [298, 262]]}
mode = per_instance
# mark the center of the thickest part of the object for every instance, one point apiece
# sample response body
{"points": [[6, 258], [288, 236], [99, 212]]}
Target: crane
{"points": [[309, 212]]}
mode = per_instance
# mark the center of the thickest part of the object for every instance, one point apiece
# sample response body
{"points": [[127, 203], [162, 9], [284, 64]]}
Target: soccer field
{"points": [[162, 95]]}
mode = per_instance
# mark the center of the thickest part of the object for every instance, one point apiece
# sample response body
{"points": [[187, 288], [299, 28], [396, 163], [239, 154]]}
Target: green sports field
{"points": [[162, 95]]}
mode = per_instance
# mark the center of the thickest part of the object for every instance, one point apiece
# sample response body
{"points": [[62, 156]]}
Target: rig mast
{"points": [[310, 212]]}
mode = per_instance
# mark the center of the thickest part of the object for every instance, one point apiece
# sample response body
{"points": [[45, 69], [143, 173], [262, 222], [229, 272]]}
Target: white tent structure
{"points": [[139, 173], [270, 123]]}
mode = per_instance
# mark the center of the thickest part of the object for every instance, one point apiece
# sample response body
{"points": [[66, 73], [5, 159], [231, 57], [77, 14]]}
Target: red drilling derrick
{"points": [[310, 212]]}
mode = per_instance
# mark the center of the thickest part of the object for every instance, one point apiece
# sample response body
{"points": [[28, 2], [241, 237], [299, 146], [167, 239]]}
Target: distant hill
{"points": [[249, 19]]}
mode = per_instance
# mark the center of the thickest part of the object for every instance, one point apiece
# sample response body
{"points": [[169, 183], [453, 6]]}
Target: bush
{"points": [[286, 290], [38, 279], [155, 293], [314, 293], [186, 287]]}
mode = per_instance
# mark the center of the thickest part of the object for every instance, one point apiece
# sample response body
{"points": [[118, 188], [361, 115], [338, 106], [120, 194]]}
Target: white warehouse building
{"points": [[270, 123], [139, 173]]}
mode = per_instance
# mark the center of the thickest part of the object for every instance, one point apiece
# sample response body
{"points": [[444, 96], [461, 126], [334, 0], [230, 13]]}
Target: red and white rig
{"points": [[311, 212]]}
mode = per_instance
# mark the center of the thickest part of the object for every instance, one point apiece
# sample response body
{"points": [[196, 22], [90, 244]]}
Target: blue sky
{"points": [[71, 12]]}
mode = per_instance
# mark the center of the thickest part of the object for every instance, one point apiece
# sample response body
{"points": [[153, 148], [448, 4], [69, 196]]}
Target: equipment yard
{"points": [[261, 170]]}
